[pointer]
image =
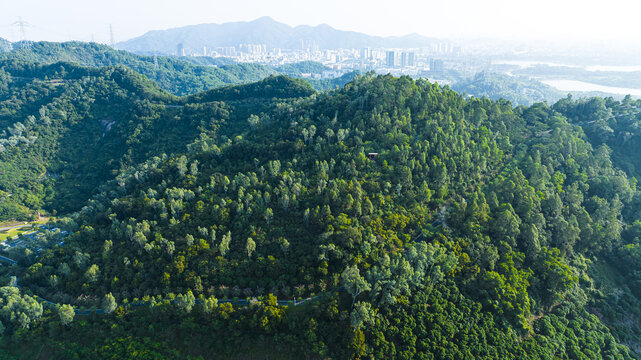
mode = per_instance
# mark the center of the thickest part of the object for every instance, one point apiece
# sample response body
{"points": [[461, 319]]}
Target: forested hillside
{"points": [[175, 75], [612, 123], [66, 129], [521, 91], [419, 223]]}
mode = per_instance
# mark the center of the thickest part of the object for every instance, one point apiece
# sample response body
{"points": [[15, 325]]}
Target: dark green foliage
{"points": [[272, 87], [475, 232], [65, 128], [616, 124]]}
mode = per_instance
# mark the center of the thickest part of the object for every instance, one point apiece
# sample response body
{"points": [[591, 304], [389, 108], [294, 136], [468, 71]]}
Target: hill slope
{"points": [[65, 129], [499, 86], [479, 230], [179, 76], [612, 123], [175, 75]]}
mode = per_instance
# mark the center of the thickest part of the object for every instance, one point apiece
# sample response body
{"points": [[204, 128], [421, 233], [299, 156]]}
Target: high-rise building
{"points": [[180, 50], [365, 55], [411, 62], [250, 48], [436, 66], [226, 51], [390, 59]]}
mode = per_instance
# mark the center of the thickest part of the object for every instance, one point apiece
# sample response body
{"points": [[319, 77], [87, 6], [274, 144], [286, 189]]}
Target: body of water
{"points": [[609, 68], [629, 68], [529, 63], [574, 85]]}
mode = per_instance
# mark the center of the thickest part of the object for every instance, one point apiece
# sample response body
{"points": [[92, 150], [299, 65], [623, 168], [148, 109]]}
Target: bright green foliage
{"points": [[224, 244], [354, 283], [250, 247], [66, 314], [109, 303], [362, 314], [18, 310], [185, 302]]}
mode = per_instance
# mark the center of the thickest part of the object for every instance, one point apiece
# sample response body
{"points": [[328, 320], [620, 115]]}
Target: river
{"points": [[575, 85], [530, 63]]}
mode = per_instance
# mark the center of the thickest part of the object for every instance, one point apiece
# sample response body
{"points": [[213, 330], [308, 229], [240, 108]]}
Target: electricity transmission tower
{"points": [[111, 36], [22, 26]]}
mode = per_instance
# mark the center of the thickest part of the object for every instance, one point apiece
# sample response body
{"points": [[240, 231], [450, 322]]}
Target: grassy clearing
{"points": [[8, 234]]}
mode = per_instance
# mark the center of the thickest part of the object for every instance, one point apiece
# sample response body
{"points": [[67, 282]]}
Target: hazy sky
{"points": [[612, 20]]}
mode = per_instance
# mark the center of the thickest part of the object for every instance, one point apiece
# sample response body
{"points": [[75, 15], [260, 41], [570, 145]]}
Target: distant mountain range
{"points": [[264, 30]]}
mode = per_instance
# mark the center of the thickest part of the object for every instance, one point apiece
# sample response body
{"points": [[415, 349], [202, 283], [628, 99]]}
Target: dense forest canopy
{"points": [[66, 128], [479, 230]]}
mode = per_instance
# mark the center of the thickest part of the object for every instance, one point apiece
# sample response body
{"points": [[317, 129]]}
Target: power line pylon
{"points": [[111, 36], [22, 26]]}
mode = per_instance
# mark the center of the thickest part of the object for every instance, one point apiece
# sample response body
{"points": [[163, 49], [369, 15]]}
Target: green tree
{"points": [[66, 314], [250, 247], [93, 273], [224, 244], [209, 304], [185, 302], [362, 313], [269, 215], [354, 283], [109, 304]]}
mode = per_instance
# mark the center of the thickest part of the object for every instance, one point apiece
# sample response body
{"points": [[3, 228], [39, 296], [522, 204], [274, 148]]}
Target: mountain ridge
{"points": [[264, 30]]}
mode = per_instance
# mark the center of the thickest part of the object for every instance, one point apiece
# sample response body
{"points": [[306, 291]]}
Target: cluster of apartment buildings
{"points": [[435, 59]]}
